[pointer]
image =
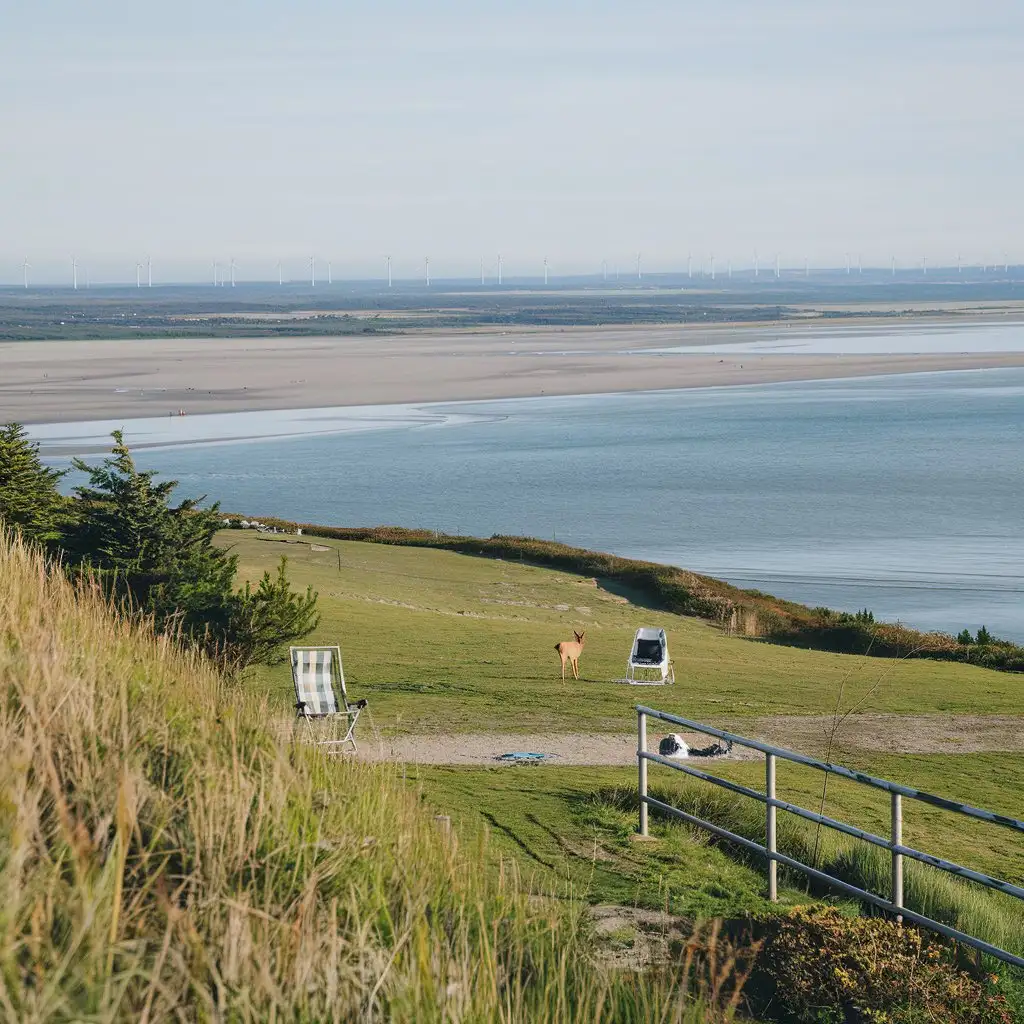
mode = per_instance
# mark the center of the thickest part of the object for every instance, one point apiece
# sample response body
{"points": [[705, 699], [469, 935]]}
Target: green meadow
{"points": [[453, 643], [439, 640]]}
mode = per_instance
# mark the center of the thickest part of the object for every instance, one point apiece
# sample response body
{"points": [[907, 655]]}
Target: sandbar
{"points": [[69, 381]]}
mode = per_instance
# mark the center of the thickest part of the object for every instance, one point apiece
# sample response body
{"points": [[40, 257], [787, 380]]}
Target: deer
{"points": [[570, 651]]}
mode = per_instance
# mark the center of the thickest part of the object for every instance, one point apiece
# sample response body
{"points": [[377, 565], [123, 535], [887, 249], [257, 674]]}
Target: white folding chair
{"points": [[649, 663], [315, 671]]}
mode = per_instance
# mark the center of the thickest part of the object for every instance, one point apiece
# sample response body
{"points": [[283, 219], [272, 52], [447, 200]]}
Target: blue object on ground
{"points": [[521, 755]]}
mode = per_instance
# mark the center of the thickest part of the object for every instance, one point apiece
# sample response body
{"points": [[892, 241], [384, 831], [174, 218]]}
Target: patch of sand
{"points": [[66, 381], [808, 734]]}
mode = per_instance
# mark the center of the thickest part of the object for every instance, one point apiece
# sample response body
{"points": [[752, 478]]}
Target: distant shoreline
{"points": [[78, 381]]}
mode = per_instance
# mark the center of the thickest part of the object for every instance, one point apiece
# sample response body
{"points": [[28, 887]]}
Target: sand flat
{"points": [[65, 381]]}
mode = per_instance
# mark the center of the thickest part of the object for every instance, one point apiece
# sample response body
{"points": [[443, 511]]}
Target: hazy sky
{"points": [[580, 131]]}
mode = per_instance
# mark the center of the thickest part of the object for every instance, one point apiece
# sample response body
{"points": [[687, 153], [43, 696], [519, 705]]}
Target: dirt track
{"points": [[808, 734]]}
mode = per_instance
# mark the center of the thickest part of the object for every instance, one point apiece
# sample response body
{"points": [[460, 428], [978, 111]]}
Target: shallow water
{"points": [[901, 494], [863, 340]]}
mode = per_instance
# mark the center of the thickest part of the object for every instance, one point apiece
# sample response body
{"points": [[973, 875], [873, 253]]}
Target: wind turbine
{"points": [[689, 265], [777, 272], [232, 271], [893, 266], [329, 280], [807, 267], [138, 275], [959, 268], [499, 269], [545, 271], [638, 274], [426, 270], [847, 263], [215, 267], [149, 270], [712, 266], [312, 271], [730, 270], [74, 273], [24, 270], [755, 264], [280, 274], [482, 281], [924, 265], [388, 259]]}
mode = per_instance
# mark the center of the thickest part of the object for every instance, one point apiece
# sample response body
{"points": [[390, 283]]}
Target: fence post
{"points": [[769, 789], [641, 767], [897, 858]]}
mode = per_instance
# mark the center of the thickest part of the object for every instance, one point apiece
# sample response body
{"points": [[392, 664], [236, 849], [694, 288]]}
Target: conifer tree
{"points": [[161, 558], [29, 500], [140, 546]]}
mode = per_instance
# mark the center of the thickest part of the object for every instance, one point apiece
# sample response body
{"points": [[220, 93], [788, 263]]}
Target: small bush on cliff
{"points": [[824, 968]]}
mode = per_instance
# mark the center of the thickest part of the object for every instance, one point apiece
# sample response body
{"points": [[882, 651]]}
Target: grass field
{"points": [[576, 822], [168, 852], [440, 641], [444, 641]]}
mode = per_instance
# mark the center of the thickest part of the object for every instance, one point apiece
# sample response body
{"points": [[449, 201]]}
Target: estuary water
{"points": [[902, 494]]}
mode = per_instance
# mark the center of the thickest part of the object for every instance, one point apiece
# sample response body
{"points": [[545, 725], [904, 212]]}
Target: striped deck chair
{"points": [[316, 671]]}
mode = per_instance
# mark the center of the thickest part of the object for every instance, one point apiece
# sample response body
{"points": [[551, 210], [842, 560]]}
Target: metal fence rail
{"points": [[894, 844]]}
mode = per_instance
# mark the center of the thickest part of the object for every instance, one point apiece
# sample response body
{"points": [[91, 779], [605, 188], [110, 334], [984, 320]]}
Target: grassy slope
{"points": [[747, 612], [445, 641], [552, 816], [168, 852]]}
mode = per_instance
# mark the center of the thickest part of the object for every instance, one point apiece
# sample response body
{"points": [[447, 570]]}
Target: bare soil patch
{"points": [[808, 734]]}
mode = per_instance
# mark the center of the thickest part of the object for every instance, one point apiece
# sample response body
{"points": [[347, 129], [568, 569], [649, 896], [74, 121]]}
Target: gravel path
{"points": [[892, 734]]}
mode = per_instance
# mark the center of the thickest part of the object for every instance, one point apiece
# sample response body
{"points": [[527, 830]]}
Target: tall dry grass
{"points": [[169, 850]]}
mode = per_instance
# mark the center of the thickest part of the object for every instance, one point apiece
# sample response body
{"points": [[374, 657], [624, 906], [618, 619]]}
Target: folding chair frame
{"points": [[351, 711], [665, 670]]}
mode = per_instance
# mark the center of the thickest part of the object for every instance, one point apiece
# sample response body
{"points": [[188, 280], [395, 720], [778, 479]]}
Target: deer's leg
{"points": [[575, 668], [562, 656]]}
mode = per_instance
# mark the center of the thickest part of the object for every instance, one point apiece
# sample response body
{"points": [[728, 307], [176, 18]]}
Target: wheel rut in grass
{"points": [[808, 734]]}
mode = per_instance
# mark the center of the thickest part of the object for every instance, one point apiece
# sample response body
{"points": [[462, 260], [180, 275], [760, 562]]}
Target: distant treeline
{"points": [[263, 311], [43, 325], [744, 612]]}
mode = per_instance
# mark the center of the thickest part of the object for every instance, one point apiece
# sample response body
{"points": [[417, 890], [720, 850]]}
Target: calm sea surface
{"points": [[901, 494]]}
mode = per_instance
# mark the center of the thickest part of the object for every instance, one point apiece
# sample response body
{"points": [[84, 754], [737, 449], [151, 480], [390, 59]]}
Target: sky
{"points": [[575, 131]]}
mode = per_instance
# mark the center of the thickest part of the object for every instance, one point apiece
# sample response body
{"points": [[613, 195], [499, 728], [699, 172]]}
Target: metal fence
{"points": [[894, 844]]}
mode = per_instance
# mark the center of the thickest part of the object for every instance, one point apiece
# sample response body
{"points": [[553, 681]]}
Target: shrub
{"points": [[262, 621], [822, 967]]}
